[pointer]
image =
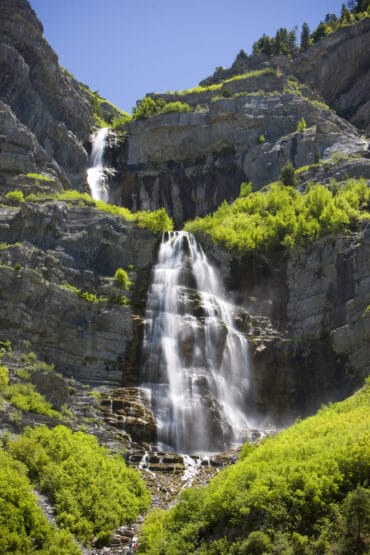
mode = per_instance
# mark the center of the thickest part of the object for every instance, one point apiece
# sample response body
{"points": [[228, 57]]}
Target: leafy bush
{"points": [[287, 175], [24, 397], [93, 492], [5, 345], [287, 495], [121, 278], [23, 526], [302, 125], [281, 216], [14, 197], [149, 106], [4, 378], [85, 295]]}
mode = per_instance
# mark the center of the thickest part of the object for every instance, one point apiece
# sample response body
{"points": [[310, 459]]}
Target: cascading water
{"points": [[97, 174], [195, 363]]}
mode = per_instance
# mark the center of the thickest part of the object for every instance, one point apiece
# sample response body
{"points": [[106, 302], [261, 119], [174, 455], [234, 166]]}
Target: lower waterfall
{"points": [[195, 363]]}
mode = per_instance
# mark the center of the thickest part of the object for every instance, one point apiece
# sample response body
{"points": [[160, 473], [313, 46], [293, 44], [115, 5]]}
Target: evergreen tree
{"points": [[345, 14], [319, 33], [305, 36]]}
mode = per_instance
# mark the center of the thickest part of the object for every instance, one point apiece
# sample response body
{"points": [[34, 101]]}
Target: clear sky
{"points": [[127, 48]]}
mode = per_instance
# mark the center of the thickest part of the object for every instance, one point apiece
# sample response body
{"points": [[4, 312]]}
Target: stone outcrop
{"points": [[312, 343], [22, 154], [191, 162], [43, 96], [338, 69], [44, 247]]}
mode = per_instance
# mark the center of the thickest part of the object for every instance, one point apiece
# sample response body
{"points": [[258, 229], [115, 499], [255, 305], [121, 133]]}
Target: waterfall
{"points": [[195, 363], [97, 174]]}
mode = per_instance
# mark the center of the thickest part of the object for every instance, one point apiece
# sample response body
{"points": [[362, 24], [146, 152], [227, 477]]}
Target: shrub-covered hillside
{"points": [[303, 491], [282, 216]]}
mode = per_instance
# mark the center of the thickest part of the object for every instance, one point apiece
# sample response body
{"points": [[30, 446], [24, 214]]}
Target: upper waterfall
{"points": [[195, 363], [97, 174]]}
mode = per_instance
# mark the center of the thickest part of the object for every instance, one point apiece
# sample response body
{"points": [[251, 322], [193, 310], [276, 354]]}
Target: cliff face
{"points": [[43, 97], [243, 127], [305, 311], [46, 249], [338, 68], [189, 162], [308, 322]]}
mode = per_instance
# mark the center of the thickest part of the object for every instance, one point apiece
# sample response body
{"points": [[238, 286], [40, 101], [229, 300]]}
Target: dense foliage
{"points": [[300, 492], [23, 527], [150, 107], [93, 492], [282, 216], [285, 42]]}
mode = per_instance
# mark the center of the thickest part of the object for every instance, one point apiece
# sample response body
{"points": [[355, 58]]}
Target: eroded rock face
{"points": [[44, 247], [21, 153], [191, 162], [338, 69], [312, 344], [44, 98]]}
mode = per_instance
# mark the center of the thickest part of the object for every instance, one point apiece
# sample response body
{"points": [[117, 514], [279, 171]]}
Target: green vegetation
{"points": [[23, 526], [302, 125], [93, 492], [281, 216], [14, 197], [39, 177], [85, 295], [121, 279], [303, 491], [220, 86], [149, 106], [4, 378], [284, 43], [156, 221], [24, 397], [288, 176]]}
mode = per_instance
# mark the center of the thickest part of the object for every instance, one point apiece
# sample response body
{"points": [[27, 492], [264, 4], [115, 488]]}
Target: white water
{"points": [[97, 174], [195, 361]]}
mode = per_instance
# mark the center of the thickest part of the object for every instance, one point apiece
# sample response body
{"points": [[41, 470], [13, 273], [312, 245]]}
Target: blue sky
{"points": [[127, 48]]}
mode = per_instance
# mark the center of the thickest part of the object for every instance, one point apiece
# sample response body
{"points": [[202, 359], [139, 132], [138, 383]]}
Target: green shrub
{"points": [[121, 278], [289, 492], [5, 345], [261, 139], [23, 526], [4, 378], [93, 492], [14, 197], [149, 106], [302, 125], [283, 217], [287, 175], [24, 397]]}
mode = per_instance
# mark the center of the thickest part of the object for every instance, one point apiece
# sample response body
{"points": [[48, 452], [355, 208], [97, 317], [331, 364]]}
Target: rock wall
{"points": [[46, 246], [191, 162], [310, 324], [44, 98]]}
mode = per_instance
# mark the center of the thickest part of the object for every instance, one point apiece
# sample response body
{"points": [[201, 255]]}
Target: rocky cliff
{"points": [[44, 98], [243, 126], [304, 310]]}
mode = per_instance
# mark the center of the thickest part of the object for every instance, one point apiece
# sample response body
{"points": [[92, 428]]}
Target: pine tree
{"points": [[305, 36]]}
